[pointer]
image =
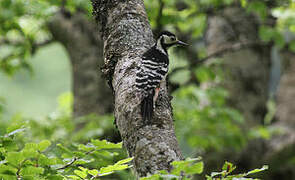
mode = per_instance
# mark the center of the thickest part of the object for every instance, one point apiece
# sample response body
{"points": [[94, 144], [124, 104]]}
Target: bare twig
{"points": [[44, 43], [35, 46], [233, 48], [159, 25], [73, 161], [68, 164], [5, 41]]}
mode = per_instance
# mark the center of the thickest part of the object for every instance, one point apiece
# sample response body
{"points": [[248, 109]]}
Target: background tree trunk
{"points": [[279, 152], [247, 70], [127, 34], [80, 37], [247, 80]]}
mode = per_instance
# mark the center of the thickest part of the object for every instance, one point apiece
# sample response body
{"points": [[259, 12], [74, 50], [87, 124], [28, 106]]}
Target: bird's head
{"points": [[167, 39]]}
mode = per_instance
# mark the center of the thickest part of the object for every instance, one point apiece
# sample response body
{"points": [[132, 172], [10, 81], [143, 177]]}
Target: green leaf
{"points": [[259, 7], [44, 160], [15, 158], [65, 102], [43, 145], [111, 168], [213, 174], [83, 161], [204, 74], [15, 132], [86, 148], [197, 168], [31, 146], [116, 167], [103, 144], [228, 167], [29, 153], [265, 167], [83, 169], [79, 154], [243, 3], [15, 126], [81, 174], [123, 161], [93, 172], [64, 149], [55, 177], [266, 33], [74, 177], [31, 170], [6, 169], [188, 166]]}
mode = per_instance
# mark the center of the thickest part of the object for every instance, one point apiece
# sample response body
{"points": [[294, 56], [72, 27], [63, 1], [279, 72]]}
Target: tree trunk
{"points": [[247, 79], [280, 150], [127, 34], [80, 37], [246, 70]]}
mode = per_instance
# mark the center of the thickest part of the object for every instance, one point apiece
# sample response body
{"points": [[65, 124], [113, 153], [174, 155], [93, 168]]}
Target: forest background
{"points": [[233, 89]]}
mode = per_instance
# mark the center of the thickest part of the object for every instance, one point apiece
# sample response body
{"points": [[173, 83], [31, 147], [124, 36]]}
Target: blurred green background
{"points": [[35, 94], [232, 89]]}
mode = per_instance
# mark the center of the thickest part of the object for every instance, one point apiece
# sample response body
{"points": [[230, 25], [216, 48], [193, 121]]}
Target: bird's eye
{"points": [[173, 38]]}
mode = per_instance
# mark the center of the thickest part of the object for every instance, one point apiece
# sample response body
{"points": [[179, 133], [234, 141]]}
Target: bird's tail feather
{"points": [[147, 108]]}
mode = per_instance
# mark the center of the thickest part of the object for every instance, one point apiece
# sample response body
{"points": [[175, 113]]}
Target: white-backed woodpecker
{"points": [[152, 72]]}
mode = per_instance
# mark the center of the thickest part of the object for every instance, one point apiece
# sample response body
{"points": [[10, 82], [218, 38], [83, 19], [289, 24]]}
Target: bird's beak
{"points": [[181, 43]]}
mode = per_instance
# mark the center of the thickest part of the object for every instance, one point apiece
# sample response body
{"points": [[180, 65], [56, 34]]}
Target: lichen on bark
{"points": [[127, 34]]}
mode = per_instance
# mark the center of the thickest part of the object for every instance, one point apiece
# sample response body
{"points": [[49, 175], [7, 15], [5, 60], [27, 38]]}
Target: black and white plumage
{"points": [[152, 72]]}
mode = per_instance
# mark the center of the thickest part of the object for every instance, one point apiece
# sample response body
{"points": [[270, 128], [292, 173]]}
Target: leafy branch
{"points": [[74, 160]]}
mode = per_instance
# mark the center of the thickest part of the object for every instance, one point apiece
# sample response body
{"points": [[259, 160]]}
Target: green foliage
{"points": [[188, 168], [23, 27], [19, 32], [48, 149], [186, 19], [227, 170], [48, 159], [203, 119], [258, 7], [181, 170], [268, 34], [210, 123], [52, 148]]}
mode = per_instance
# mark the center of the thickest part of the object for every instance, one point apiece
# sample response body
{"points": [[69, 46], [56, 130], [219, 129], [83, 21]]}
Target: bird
{"points": [[152, 72]]}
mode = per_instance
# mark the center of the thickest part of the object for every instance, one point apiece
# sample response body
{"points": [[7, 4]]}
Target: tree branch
{"points": [[233, 48], [159, 25], [74, 160], [37, 45], [127, 35], [79, 35]]}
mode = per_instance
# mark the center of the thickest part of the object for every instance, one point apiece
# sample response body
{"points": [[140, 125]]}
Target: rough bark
{"points": [[80, 37], [127, 34]]}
